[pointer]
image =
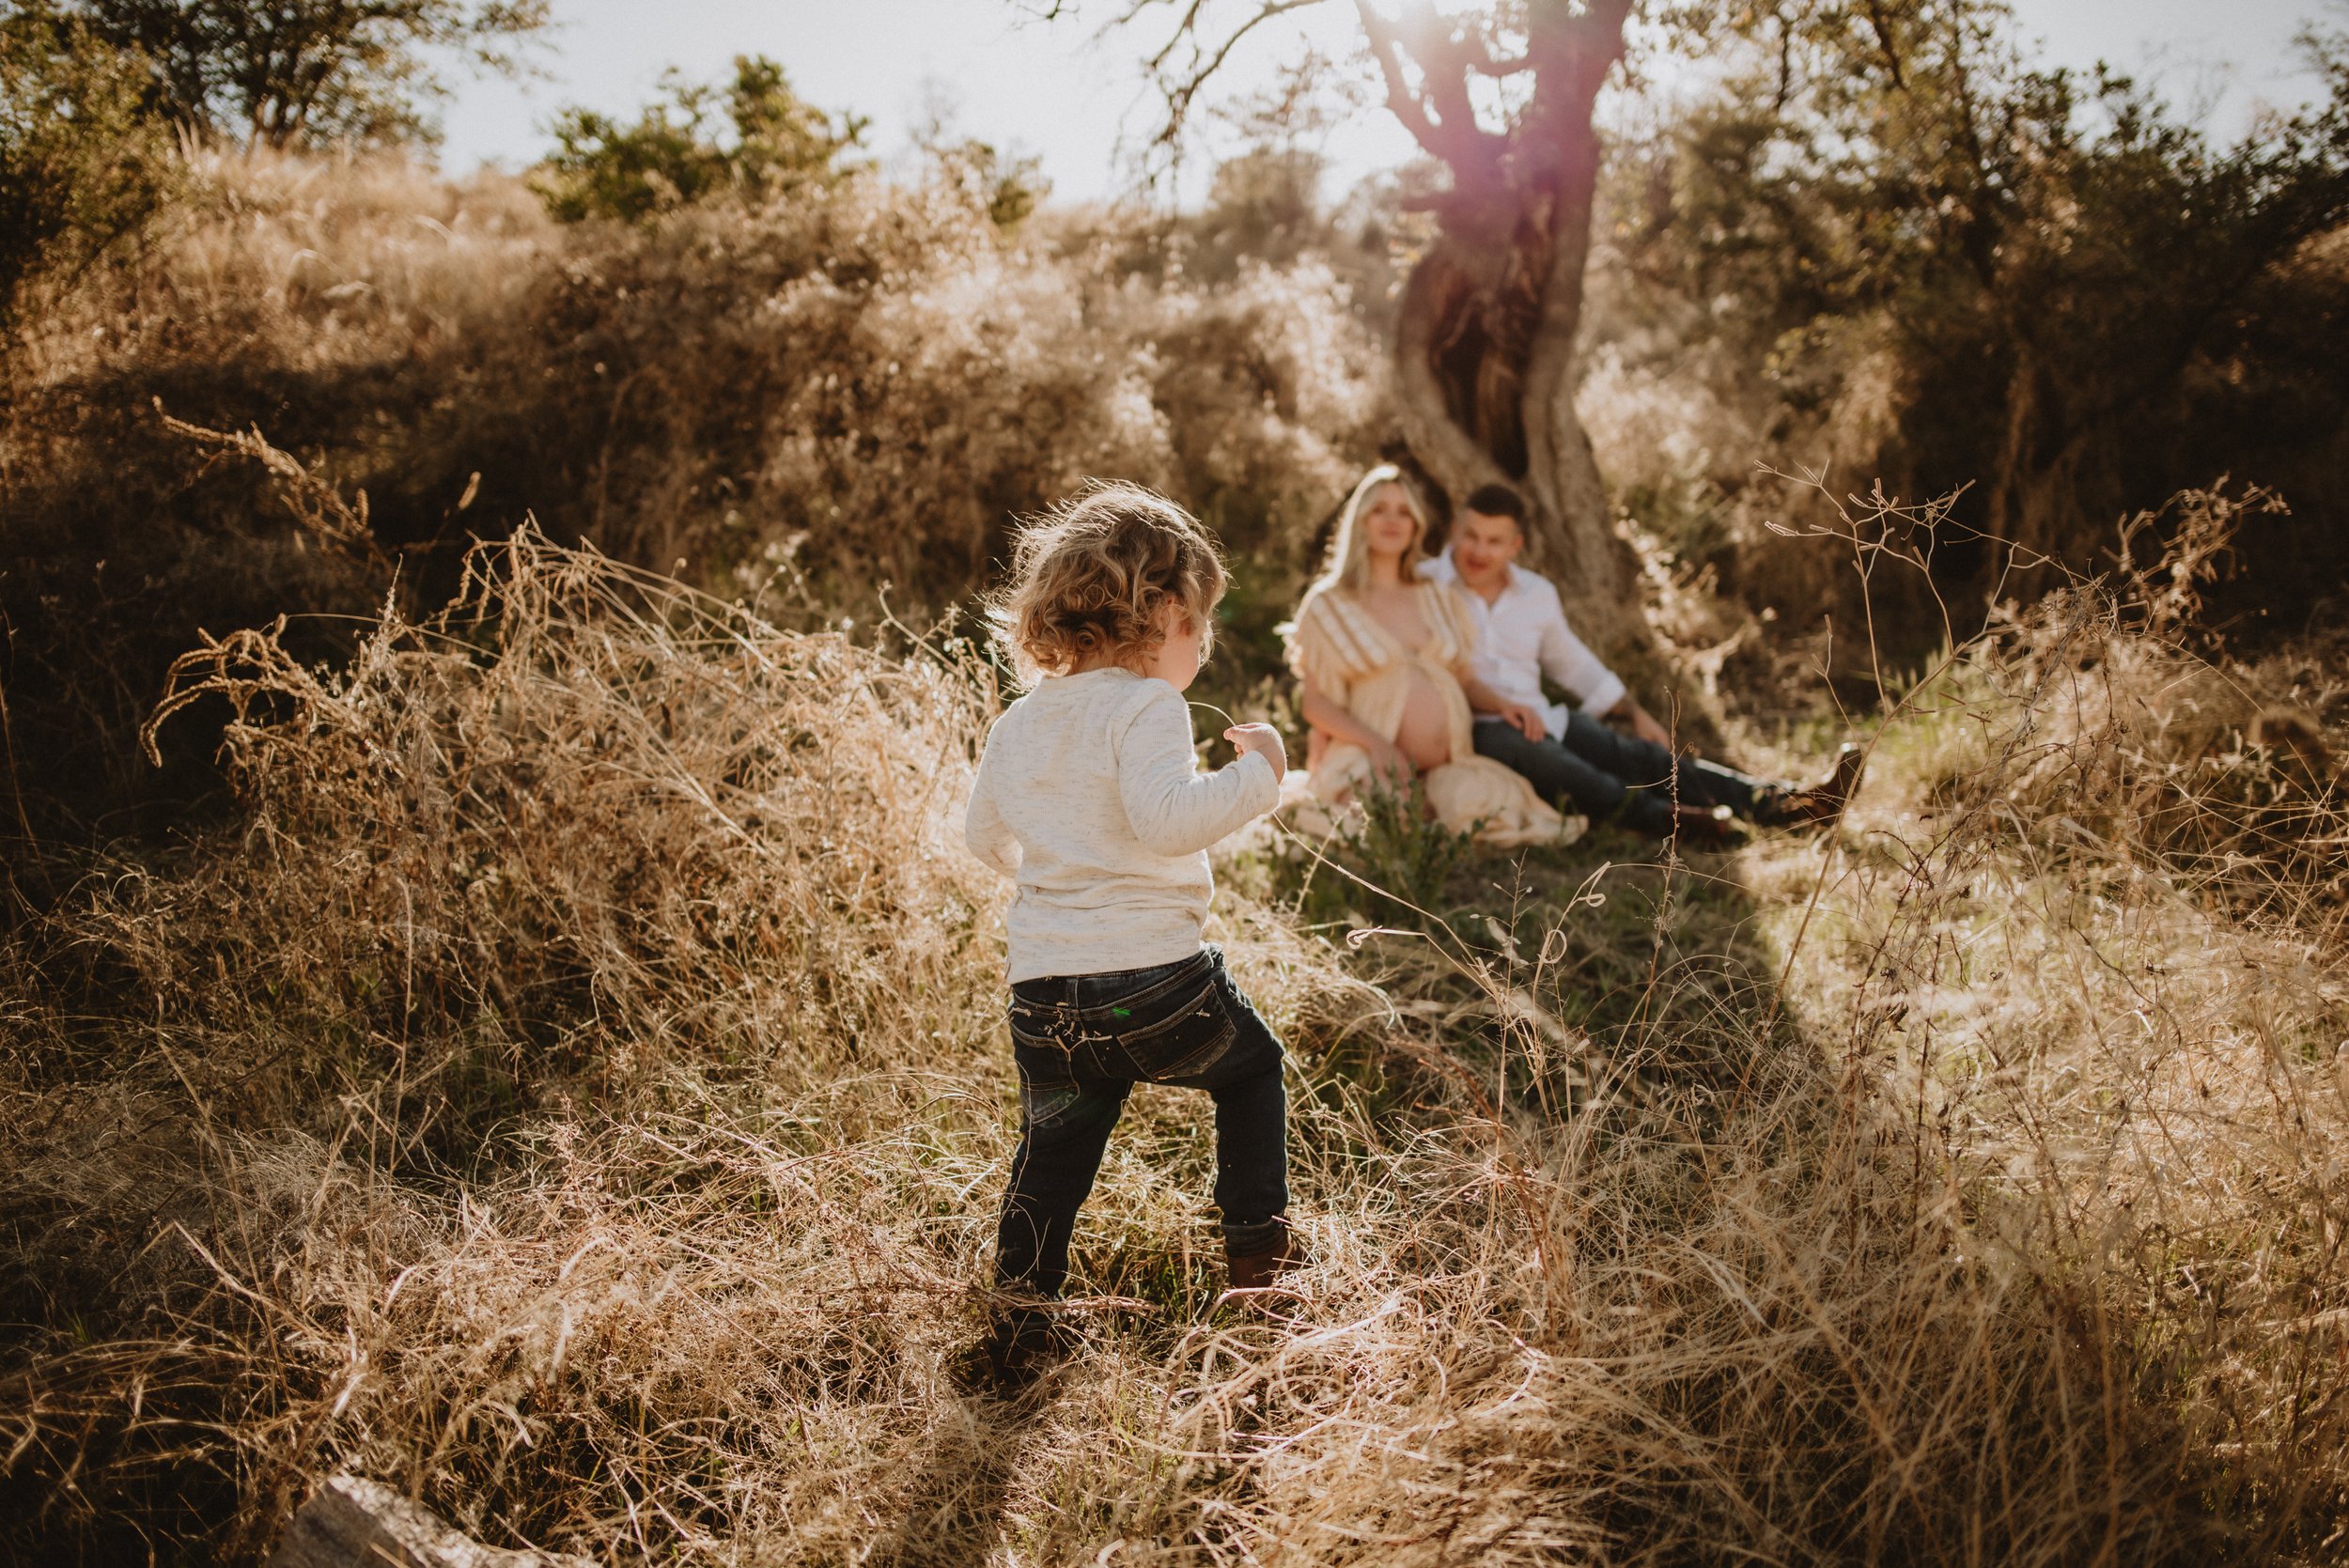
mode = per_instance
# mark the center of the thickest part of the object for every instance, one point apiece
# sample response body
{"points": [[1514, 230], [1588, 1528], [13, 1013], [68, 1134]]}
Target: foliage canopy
{"points": [[291, 71], [755, 137], [82, 165], [2048, 252]]}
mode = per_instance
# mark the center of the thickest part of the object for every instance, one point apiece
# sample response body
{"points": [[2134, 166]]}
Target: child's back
{"points": [[1092, 777]]}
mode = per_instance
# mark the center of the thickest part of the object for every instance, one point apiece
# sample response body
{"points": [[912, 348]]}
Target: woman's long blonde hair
{"points": [[1347, 566]]}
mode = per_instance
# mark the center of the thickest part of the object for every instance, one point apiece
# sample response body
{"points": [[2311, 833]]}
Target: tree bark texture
{"points": [[1485, 363], [2036, 517]]}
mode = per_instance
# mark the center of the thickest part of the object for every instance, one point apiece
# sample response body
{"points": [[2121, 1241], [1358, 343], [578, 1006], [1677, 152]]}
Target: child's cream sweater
{"points": [[1088, 795]]}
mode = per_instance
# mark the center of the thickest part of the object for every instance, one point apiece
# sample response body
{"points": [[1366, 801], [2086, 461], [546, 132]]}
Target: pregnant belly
{"points": [[1425, 735]]}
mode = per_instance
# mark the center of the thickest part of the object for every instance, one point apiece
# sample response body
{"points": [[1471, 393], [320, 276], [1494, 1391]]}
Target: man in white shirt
{"points": [[1571, 755]]}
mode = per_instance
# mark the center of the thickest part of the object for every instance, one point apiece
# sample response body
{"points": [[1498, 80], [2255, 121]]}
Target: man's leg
{"points": [[1569, 778], [1648, 767]]}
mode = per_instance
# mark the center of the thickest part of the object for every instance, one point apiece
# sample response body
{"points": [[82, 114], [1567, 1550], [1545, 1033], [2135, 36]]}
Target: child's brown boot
{"points": [[1021, 1344], [1256, 1268]]}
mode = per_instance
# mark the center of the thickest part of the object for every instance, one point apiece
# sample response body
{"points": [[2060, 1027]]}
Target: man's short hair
{"points": [[1497, 500]]}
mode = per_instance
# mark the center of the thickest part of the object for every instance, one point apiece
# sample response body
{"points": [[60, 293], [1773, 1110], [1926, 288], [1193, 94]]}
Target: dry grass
{"points": [[871, 379], [837, 392], [574, 1094]]}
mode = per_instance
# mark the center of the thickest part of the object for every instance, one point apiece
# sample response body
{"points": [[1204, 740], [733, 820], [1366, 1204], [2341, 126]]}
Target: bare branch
{"points": [[1401, 101], [1444, 63], [1486, 66], [1445, 127], [1882, 25], [1187, 30], [1180, 94]]}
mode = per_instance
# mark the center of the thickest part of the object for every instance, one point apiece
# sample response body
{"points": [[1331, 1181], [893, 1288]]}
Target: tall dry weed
{"points": [[2096, 956], [574, 1095], [838, 392]]}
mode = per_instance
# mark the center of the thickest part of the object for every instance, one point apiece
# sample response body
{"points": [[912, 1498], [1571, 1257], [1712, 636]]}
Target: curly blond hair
{"points": [[1089, 577]]}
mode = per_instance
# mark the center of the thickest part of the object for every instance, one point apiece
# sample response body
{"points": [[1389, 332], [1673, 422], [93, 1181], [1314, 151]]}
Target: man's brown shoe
{"points": [[1823, 801], [1707, 826]]}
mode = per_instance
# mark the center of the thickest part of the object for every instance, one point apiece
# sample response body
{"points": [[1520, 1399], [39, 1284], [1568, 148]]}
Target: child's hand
{"points": [[1263, 740]]}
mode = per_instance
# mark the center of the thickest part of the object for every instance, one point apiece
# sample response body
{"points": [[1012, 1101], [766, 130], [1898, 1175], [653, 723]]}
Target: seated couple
{"points": [[1432, 669]]}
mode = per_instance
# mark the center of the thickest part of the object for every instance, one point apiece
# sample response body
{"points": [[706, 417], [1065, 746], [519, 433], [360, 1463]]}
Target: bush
{"points": [[292, 73], [83, 167], [1009, 187], [804, 400], [772, 146], [1897, 252]]}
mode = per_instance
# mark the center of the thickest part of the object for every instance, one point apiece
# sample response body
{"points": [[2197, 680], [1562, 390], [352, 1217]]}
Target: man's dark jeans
{"points": [[1607, 775], [1082, 1042]]}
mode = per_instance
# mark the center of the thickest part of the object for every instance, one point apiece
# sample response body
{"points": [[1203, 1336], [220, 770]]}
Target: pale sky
{"points": [[1053, 91]]}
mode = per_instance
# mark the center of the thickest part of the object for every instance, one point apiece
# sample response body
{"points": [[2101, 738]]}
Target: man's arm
{"points": [[1569, 661], [1642, 722], [1484, 699]]}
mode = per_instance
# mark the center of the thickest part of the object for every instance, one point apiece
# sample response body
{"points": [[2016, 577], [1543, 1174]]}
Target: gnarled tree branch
{"points": [[1446, 450]]}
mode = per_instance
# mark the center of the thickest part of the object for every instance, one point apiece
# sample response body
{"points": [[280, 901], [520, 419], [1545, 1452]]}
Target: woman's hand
{"points": [[1264, 741], [1389, 763]]}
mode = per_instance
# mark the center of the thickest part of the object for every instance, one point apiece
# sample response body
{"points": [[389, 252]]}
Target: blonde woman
{"points": [[1389, 695]]}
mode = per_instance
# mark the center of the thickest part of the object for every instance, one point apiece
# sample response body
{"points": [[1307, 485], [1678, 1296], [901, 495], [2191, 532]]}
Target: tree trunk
{"points": [[1438, 299], [2035, 521], [1582, 546], [1484, 345]]}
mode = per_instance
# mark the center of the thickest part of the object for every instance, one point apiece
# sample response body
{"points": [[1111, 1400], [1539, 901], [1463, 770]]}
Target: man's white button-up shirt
{"points": [[1523, 635]]}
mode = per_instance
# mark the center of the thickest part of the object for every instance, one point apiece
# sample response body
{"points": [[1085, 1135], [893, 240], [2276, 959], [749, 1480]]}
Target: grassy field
{"points": [[572, 1088]]}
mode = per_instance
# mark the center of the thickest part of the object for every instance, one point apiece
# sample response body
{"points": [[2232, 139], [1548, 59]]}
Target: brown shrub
{"points": [[572, 1094], [852, 388]]}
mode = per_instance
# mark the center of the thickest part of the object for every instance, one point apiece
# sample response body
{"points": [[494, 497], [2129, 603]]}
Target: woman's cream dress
{"points": [[1345, 652]]}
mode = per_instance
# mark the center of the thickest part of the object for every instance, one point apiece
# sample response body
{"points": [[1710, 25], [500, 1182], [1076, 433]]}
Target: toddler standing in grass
{"points": [[1089, 796]]}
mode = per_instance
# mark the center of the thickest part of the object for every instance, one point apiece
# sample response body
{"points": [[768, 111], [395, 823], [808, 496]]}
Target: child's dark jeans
{"points": [[1082, 1043]]}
